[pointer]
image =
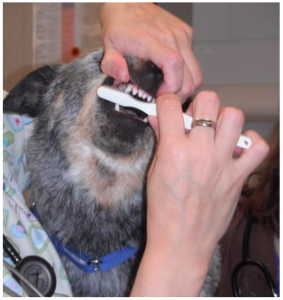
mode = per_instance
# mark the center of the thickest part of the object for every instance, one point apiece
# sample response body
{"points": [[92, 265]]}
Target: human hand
{"points": [[151, 33], [194, 184]]}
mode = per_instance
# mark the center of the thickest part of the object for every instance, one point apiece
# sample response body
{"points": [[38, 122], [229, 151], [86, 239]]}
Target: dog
{"points": [[88, 161]]}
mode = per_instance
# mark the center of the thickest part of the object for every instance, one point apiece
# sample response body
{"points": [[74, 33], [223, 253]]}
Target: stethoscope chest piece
{"points": [[39, 273], [35, 275]]}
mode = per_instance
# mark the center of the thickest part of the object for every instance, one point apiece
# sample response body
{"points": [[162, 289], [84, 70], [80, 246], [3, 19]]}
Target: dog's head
{"points": [[70, 91], [76, 128]]}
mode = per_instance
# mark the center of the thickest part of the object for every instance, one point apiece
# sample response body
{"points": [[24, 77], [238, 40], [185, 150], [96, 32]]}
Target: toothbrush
{"points": [[116, 96]]}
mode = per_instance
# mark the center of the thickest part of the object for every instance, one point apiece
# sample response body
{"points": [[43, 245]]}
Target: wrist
{"points": [[174, 273]]}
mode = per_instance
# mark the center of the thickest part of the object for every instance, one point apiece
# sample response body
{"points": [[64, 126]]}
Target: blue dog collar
{"points": [[87, 263]]}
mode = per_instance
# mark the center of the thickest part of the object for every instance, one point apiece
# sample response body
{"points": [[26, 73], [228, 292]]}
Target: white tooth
{"points": [[140, 93], [129, 88], [149, 98], [134, 91], [117, 107], [153, 100], [145, 120], [144, 95]]}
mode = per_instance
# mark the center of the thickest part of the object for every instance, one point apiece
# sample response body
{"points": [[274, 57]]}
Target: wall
{"points": [[17, 42], [36, 34], [237, 45]]}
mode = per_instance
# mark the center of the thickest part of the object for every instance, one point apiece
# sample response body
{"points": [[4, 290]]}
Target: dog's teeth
{"points": [[149, 98], [117, 107], [153, 100], [128, 89], [145, 120], [144, 95], [140, 93], [134, 91]]}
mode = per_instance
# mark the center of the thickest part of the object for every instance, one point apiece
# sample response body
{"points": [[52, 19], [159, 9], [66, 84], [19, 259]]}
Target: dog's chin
{"points": [[123, 134], [124, 123]]}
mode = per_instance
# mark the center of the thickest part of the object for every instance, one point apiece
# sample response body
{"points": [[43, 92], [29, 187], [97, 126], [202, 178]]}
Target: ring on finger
{"points": [[204, 123]]}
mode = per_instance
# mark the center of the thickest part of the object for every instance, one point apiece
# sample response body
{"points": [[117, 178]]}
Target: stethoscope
{"points": [[34, 274], [37, 277], [246, 261]]}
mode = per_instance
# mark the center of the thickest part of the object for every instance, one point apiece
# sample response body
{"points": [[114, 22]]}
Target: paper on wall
{"points": [[63, 31]]}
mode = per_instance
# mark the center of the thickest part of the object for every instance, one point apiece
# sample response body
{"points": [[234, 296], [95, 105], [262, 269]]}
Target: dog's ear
{"points": [[26, 96]]}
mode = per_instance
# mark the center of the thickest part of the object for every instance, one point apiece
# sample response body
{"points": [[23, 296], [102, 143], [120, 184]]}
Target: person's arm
{"points": [[149, 32], [194, 184]]}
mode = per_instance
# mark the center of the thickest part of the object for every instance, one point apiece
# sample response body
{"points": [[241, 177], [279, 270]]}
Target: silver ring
{"points": [[204, 123]]}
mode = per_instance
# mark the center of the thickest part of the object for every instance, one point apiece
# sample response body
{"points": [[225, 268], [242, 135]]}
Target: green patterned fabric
{"points": [[20, 226]]}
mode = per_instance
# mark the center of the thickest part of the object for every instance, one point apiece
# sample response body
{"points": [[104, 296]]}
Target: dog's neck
{"points": [[74, 217], [89, 202]]}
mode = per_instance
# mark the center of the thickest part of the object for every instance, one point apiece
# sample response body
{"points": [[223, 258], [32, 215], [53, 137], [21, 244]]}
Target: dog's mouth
{"points": [[137, 93]]}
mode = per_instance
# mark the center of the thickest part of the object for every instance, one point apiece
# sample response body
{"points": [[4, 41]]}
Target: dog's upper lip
{"points": [[152, 93]]}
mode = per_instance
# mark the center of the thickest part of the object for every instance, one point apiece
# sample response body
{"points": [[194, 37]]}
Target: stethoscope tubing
{"points": [[247, 261], [19, 275]]}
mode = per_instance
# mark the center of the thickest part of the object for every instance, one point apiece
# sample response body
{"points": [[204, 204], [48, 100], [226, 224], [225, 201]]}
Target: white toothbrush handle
{"points": [[116, 96], [188, 120], [150, 109], [244, 142]]}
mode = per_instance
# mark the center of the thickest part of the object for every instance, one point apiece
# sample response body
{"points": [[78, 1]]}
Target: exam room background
{"points": [[237, 45]]}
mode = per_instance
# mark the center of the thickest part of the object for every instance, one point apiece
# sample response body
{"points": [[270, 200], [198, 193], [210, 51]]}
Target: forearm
{"points": [[167, 273]]}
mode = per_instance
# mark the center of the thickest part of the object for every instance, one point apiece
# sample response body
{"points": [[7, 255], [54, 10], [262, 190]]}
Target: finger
{"points": [[229, 127], [114, 64], [170, 116], [237, 152], [167, 59], [206, 106], [251, 158], [153, 122], [188, 86]]}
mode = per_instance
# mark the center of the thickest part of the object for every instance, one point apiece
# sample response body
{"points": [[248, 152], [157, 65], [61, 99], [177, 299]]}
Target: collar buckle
{"points": [[96, 263]]}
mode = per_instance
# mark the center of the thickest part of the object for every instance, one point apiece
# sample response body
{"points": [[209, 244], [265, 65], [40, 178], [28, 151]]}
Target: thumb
{"points": [[153, 122], [114, 64]]}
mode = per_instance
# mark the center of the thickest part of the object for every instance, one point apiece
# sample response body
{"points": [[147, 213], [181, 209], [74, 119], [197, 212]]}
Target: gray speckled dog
{"points": [[88, 165]]}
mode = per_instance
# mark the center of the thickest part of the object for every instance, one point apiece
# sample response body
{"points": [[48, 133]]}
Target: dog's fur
{"points": [[88, 167]]}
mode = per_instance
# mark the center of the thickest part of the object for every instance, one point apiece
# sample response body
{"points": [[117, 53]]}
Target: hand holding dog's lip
{"points": [[164, 39]]}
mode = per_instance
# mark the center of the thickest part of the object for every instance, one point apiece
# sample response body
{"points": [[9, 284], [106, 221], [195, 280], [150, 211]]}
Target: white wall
{"points": [[237, 45]]}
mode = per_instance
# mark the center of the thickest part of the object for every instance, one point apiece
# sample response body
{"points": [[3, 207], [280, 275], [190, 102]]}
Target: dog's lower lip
{"points": [[139, 94], [131, 113]]}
